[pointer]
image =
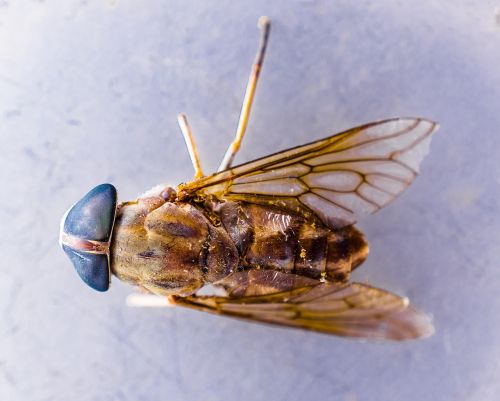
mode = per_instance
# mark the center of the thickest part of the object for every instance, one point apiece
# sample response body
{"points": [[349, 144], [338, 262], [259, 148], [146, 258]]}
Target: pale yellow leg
{"points": [[191, 145], [265, 25], [147, 301]]}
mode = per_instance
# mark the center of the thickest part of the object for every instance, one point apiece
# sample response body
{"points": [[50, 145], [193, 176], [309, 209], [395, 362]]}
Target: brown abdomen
{"points": [[268, 238]]}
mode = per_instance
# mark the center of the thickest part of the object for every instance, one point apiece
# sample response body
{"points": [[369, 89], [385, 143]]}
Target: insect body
{"points": [[175, 248], [274, 237]]}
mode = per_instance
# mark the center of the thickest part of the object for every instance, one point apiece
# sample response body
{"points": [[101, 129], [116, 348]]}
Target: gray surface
{"points": [[89, 92]]}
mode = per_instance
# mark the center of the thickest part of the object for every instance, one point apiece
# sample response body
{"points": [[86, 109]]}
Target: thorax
{"points": [[168, 247]]}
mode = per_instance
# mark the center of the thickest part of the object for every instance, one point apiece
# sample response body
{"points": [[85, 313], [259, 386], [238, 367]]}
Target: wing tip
{"points": [[411, 324], [434, 123]]}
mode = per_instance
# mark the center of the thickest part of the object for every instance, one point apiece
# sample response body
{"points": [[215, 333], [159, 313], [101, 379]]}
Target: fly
{"points": [[273, 239]]}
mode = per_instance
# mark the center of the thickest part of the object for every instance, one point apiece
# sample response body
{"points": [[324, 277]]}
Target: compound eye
{"points": [[86, 230]]}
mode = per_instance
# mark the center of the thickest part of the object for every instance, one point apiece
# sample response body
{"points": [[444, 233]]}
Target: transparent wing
{"points": [[353, 310], [335, 179]]}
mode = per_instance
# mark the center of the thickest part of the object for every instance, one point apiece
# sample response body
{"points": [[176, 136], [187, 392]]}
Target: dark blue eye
{"points": [[85, 234]]}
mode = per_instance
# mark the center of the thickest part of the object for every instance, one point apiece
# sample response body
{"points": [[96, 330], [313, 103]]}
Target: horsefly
{"points": [[273, 238]]}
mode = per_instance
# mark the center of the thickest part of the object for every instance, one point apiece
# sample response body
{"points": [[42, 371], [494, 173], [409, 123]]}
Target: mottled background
{"points": [[89, 92]]}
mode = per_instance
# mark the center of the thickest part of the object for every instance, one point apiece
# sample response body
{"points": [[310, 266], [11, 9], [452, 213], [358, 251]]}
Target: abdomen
{"points": [[267, 238]]}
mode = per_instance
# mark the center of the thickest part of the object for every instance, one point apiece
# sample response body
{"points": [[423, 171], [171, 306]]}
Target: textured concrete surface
{"points": [[89, 92]]}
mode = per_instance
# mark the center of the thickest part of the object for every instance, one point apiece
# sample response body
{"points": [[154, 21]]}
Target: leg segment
{"points": [[191, 145], [233, 148]]}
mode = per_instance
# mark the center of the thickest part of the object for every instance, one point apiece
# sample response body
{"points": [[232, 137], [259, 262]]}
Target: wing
{"points": [[353, 310], [335, 179]]}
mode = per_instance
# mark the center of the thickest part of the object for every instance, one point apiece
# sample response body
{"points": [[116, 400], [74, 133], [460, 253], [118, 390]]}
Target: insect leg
{"points": [[265, 25], [191, 145], [137, 300]]}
